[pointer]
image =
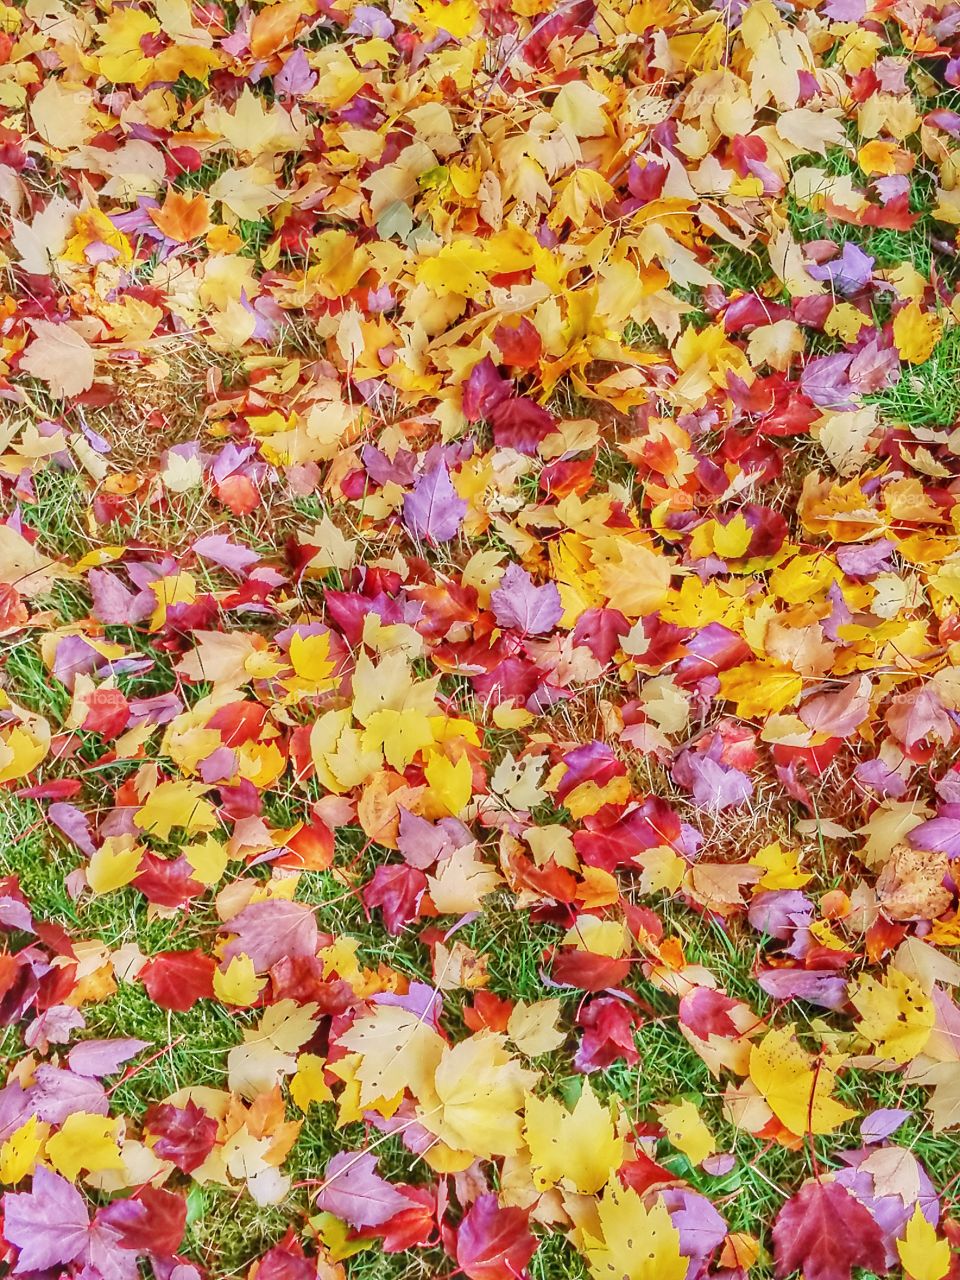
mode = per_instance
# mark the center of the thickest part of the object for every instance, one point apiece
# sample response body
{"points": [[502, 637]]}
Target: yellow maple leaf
{"points": [[916, 332], [781, 868], [844, 321], [636, 1243], [310, 659], [797, 1088], [19, 1152], [397, 1051], [20, 752], [208, 860], [579, 1149], [896, 1014], [308, 1084], [458, 17], [451, 785], [472, 1102], [177, 803], [84, 1141], [238, 984], [633, 577], [179, 588], [759, 688], [687, 1131], [922, 1254], [113, 865], [400, 735], [122, 59], [458, 268]]}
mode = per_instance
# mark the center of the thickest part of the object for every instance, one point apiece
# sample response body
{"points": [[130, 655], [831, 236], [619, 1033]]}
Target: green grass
{"points": [[928, 394], [60, 500]]}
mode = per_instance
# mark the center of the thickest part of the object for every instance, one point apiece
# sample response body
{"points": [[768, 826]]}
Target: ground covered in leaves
{"points": [[479, 639]]}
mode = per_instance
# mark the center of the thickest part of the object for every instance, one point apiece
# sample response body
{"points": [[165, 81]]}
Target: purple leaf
{"points": [[106, 1257], [432, 509], [826, 382], [218, 548], [874, 367], [115, 604], [700, 1226], [295, 77], [355, 1192], [848, 273], [74, 824], [780, 912], [54, 1026], [268, 931], [880, 1124], [940, 834], [102, 1057], [714, 785], [821, 987], [15, 914], [521, 606], [49, 1224], [56, 1094]]}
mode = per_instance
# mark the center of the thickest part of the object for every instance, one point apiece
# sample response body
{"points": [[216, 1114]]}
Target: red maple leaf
{"points": [[825, 1232]]}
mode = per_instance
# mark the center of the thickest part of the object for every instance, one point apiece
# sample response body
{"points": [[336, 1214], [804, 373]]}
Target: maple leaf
{"points": [[635, 1243], [825, 1232], [578, 1148], [797, 1089], [355, 1192], [268, 1052], [178, 979], [432, 509], [474, 1095], [153, 1221], [84, 1141], [61, 357], [896, 1014], [184, 1135], [182, 217], [176, 803], [494, 1243], [268, 931], [238, 983], [19, 1151], [49, 1224], [922, 1254], [519, 604], [398, 1051]]}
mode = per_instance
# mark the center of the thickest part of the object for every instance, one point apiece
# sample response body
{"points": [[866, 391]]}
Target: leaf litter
{"points": [[480, 601]]}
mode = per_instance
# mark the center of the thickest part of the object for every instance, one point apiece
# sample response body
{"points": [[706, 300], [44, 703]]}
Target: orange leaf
{"points": [[183, 217]]}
